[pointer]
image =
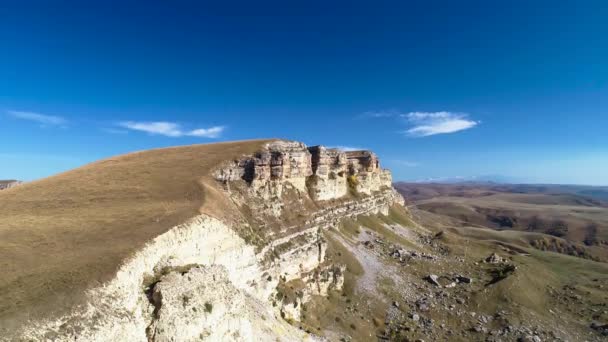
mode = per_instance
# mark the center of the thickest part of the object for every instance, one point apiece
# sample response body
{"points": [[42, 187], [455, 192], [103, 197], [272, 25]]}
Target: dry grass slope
{"points": [[567, 222], [72, 231]]}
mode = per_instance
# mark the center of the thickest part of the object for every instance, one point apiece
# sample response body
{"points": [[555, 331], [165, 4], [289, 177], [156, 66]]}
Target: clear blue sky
{"points": [[436, 88]]}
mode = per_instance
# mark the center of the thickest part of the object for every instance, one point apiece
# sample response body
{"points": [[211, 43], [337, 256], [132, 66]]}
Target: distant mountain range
{"points": [[573, 218], [472, 179], [594, 192]]}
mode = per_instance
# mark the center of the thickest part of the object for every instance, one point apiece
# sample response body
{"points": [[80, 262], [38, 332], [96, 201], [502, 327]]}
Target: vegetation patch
{"points": [[501, 272], [350, 228], [376, 224]]}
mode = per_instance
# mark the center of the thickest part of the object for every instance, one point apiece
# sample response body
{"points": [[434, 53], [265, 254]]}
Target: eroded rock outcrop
{"points": [[325, 174], [330, 172], [293, 192], [214, 280]]}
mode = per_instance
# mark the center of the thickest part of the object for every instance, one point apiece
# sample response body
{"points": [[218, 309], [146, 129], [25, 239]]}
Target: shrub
{"points": [[352, 181]]}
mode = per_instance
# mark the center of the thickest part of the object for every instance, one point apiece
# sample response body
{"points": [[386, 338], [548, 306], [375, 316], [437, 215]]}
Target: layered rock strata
{"points": [[204, 280], [330, 170], [289, 180], [165, 292], [325, 174]]}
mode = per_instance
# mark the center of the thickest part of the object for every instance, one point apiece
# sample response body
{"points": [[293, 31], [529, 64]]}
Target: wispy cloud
{"points": [[171, 129], [212, 132], [378, 114], [402, 162], [37, 117], [114, 131], [427, 123], [347, 148]]}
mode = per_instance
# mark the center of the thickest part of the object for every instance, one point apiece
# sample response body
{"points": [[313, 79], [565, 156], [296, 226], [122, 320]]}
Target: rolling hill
{"points": [[569, 222]]}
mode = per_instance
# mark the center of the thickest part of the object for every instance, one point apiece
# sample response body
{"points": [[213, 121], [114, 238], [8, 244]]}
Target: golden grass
{"points": [[72, 231]]}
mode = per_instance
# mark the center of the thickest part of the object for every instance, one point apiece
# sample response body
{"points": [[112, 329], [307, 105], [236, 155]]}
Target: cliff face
{"points": [[268, 241], [325, 174], [289, 194], [245, 278]]}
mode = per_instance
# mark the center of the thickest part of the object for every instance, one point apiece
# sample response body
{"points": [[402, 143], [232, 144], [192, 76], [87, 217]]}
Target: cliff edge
{"points": [[270, 240], [182, 243]]}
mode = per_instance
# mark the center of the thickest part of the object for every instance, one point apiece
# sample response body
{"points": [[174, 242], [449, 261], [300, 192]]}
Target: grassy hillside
{"points": [[419, 191], [568, 223], [71, 231], [387, 292]]}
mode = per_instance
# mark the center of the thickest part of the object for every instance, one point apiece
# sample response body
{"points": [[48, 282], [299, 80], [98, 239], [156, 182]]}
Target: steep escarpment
{"points": [[289, 186], [261, 227], [274, 241], [289, 196]]}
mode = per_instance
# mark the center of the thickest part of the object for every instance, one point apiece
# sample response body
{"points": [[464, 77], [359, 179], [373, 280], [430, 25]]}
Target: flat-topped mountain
{"points": [[83, 250], [267, 240]]}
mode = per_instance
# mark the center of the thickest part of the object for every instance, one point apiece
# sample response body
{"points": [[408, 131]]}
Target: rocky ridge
{"points": [[296, 192], [325, 174], [286, 195], [315, 244]]}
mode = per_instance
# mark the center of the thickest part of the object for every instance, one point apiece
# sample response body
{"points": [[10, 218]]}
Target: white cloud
{"points": [[37, 117], [212, 132], [171, 129], [426, 124], [347, 148]]}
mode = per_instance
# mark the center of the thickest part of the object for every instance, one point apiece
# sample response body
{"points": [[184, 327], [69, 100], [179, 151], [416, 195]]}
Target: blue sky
{"points": [[436, 88]]}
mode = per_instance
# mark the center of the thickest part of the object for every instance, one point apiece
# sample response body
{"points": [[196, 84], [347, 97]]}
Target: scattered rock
{"points": [[529, 338], [433, 279], [478, 329], [422, 304], [463, 279], [494, 259], [601, 328]]}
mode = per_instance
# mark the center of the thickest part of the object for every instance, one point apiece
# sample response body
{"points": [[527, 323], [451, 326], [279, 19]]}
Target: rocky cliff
{"points": [[289, 194], [270, 241], [234, 279], [315, 173]]}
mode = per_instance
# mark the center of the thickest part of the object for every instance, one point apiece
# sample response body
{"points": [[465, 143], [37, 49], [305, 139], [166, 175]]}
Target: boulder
{"points": [[494, 259], [433, 279]]}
